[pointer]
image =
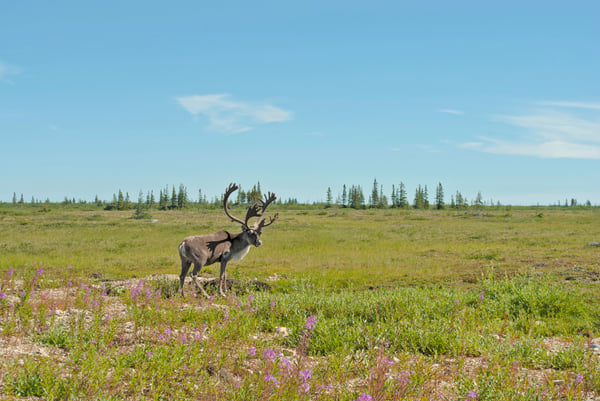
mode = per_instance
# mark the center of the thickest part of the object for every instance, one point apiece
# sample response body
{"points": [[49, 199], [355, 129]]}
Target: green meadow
{"points": [[372, 304]]}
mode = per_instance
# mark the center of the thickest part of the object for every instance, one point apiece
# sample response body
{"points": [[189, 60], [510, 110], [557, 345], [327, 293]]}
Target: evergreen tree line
{"points": [[353, 197], [173, 198]]}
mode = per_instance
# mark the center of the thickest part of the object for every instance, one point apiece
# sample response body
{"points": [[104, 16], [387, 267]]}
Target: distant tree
{"points": [[140, 212], [402, 196], [419, 201], [163, 199], [201, 198], [329, 200], [120, 201], [14, 199], [22, 200], [356, 197], [479, 201], [182, 197], [382, 201], [173, 204], [439, 197], [344, 196], [152, 199], [255, 194], [461, 202], [374, 198]]}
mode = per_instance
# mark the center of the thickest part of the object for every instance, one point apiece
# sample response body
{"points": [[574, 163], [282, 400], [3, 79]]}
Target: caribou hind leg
{"points": [[197, 267], [185, 266]]}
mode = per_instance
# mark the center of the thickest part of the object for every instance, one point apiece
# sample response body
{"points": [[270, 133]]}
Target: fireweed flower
{"points": [[305, 374], [471, 395], [579, 378], [2, 295], [252, 351], [481, 296], [272, 379], [269, 355], [311, 323], [365, 397], [10, 271]]}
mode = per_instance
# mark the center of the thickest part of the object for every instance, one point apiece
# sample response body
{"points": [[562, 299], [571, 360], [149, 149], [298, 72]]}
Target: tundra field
{"points": [[338, 304]]}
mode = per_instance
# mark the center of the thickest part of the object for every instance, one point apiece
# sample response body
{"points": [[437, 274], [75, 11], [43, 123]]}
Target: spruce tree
{"points": [[182, 197], [439, 197], [344, 197], [374, 199], [329, 200], [402, 196], [173, 204]]}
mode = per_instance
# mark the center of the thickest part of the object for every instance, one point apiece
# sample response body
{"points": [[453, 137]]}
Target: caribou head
{"points": [[252, 233]]}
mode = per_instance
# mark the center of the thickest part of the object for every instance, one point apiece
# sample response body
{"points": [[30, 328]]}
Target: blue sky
{"points": [[301, 96]]}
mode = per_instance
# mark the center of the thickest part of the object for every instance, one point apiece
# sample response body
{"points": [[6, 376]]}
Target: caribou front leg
{"points": [[223, 273]]}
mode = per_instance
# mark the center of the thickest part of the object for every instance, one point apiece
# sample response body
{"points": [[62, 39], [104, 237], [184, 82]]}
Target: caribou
{"points": [[222, 246]]}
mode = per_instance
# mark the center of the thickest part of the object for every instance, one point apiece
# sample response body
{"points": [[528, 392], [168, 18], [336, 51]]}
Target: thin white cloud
{"points": [[7, 70], [576, 105], [548, 133], [230, 116], [545, 150], [452, 111]]}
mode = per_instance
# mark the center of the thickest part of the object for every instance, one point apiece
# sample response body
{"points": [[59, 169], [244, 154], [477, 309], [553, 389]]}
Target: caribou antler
{"points": [[261, 223], [256, 210], [231, 189]]}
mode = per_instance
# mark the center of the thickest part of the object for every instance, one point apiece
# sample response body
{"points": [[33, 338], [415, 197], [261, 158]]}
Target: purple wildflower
{"points": [[311, 323], [305, 387], [251, 351], [481, 296], [2, 295], [10, 271], [365, 397], [579, 378], [273, 379], [471, 396], [388, 361], [269, 354], [286, 364], [39, 271], [305, 374]]}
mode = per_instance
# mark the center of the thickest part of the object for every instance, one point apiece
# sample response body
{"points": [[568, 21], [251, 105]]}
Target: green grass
{"points": [[406, 305]]}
